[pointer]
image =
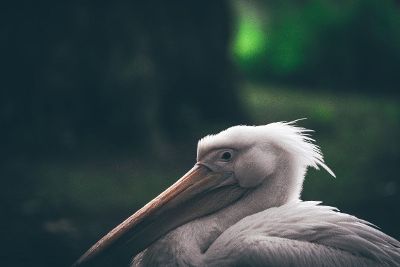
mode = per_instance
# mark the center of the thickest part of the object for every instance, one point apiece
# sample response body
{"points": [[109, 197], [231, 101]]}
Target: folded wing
{"points": [[303, 234]]}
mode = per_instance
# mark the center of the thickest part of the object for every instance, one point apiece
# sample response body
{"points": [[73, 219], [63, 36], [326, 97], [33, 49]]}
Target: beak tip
{"points": [[87, 258], [179, 191], [80, 262]]}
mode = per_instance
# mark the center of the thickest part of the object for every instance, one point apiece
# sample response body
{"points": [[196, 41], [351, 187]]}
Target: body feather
{"points": [[303, 234]]}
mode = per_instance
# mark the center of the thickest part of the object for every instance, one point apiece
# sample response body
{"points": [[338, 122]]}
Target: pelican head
{"points": [[252, 154], [231, 165]]}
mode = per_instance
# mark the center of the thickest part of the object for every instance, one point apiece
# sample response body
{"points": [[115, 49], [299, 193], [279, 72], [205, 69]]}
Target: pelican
{"points": [[240, 206]]}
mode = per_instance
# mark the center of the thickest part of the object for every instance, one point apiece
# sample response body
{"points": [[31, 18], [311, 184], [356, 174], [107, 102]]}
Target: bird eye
{"points": [[226, 155]]}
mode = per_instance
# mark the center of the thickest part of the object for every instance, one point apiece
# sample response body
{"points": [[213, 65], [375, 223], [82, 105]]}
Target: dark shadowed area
{"points": [[102, 104]]}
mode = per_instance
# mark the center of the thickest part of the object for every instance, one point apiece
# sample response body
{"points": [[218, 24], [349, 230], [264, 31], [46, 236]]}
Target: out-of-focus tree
{"points": [[106, 75]]}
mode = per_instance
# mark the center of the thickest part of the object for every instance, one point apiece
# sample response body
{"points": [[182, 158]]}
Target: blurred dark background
{"points": [[102, 104]]}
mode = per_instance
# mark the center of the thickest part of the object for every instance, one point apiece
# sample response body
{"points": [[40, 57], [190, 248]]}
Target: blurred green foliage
{"points": [[250, 40], [354, 45]]}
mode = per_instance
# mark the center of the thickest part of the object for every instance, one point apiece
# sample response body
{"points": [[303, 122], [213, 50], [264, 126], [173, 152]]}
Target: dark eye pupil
{"points": [[226, 155]]}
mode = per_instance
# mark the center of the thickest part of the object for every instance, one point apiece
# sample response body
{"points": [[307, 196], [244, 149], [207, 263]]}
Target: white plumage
{"points": [[240, 206], [303, 234]]}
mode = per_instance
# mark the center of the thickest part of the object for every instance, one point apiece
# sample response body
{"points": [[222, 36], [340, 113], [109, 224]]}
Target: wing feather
{"points": [[303, 234]]}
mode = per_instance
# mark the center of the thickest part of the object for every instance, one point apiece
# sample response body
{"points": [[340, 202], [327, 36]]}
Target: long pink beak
{"points": [[177, 205]]}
